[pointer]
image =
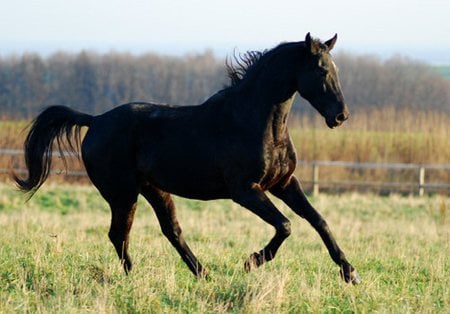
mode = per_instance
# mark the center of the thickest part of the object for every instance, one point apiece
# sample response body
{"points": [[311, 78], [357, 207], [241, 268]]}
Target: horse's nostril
{"points": [[341, 117]]}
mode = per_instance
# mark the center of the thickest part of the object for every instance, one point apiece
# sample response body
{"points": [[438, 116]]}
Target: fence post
{"points": [[421, 180], [315, 179]]}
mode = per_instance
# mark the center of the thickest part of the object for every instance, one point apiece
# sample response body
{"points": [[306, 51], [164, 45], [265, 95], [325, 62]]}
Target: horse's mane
{"points": [[241, 65], [238, 65]]}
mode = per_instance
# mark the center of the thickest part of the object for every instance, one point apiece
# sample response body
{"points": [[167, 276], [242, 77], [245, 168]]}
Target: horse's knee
{"points": [[315, 219], [116, 235], [172, 232], [284, 229], [112, 235], [322, 224]]}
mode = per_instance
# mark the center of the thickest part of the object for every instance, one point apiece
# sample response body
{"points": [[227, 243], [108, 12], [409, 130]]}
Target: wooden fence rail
{"points": [[420, 185]]}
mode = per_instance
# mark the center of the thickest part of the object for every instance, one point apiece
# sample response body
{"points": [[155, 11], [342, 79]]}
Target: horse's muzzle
{"points": [[337, 120]]}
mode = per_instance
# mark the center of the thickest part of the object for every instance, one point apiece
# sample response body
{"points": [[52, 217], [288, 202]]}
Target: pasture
{"points": [[55, 256]]}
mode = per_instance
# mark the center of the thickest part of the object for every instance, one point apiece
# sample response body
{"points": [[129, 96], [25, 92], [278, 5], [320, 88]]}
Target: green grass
{"points": [[55, 256]]}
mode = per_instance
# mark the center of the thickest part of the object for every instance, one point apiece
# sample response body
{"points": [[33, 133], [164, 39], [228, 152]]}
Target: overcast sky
{"points": [[416, 28]]}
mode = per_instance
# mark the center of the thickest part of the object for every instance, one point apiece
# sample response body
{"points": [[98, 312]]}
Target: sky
{"points": [[419, 29]]}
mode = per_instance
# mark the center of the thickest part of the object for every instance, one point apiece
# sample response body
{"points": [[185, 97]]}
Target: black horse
{"points": [[236, 145]]}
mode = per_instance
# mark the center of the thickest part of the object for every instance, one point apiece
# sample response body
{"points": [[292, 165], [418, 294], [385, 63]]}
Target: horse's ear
{"points": [[330, 43], [311, 44]]}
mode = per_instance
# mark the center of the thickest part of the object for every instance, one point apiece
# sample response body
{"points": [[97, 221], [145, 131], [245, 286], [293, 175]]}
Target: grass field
{"points": [[55, 256]]}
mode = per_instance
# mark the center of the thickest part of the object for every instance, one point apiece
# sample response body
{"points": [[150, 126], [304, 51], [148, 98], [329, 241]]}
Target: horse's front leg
{"points": [[293, 195], [254, 199]]}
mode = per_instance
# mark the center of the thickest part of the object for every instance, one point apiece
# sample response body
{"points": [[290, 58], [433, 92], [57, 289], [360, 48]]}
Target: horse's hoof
{"points": [[350, 276], [355, 278], [203, 275], [254, 261], [247, 266]]}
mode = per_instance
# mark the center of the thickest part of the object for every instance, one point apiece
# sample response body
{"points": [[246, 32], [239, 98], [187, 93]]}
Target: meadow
{"points": [[55, 257]]}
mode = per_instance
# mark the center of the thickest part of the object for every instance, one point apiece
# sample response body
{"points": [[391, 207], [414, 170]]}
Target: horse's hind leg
{"points": [[122, 198], [123, 208], [164, 208], [122, 211]]}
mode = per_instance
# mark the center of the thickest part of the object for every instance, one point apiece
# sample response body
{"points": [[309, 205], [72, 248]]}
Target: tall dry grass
{"points": [[378, 135]]}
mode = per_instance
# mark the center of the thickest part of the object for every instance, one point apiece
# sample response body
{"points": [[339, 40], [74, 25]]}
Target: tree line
{"points": [[95, 83]]}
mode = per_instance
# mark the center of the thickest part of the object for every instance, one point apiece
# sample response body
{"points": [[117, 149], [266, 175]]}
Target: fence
{"points": [[418, 182]]}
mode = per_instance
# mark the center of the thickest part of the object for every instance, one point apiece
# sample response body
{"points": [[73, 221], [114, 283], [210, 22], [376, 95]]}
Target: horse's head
{"points": [[318, 82]]}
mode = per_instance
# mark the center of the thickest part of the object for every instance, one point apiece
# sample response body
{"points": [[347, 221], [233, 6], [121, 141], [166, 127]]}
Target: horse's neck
{"points": [[266, 107], [276, 125]]}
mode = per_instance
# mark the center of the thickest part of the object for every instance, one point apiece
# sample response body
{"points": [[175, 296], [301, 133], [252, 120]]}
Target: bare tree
{"points": [[96, 83]]}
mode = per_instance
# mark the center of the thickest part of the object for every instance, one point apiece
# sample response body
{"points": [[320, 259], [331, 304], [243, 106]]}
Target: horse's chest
{"points": [[278, 164]]}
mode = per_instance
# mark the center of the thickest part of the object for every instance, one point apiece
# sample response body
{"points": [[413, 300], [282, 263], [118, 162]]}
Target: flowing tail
{"points": [[55, 122]]}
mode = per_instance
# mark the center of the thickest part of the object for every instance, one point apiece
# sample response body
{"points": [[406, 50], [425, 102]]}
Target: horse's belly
{"points": [[191, 180], [195, 189]]}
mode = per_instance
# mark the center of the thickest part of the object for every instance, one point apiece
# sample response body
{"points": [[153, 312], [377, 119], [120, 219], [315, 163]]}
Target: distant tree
{"points": [[82, 86], [23, 88], [96, 83], [397, 82]]}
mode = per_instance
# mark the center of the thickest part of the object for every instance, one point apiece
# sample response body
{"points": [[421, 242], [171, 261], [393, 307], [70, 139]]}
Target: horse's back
{"points": [[172, 148]]}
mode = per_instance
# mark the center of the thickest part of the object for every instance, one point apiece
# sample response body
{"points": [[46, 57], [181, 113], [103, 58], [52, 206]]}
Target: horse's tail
{"points": [[55, 122]]}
